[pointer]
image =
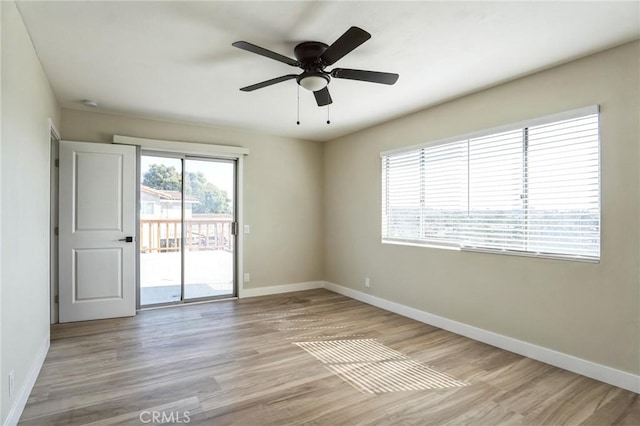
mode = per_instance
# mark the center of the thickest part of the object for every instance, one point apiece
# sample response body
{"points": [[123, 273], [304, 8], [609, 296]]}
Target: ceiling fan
{"points": [[313, 57]]}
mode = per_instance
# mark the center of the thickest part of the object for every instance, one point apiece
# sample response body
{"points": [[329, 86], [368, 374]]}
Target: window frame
{"points": [[522, 125]]}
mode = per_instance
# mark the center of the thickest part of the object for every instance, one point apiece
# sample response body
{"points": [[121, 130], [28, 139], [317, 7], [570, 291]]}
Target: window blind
{"points": [[532, 190]]}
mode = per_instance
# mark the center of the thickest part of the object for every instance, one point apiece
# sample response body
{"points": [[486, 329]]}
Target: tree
{"points": [[211, 199], [164, 178]]}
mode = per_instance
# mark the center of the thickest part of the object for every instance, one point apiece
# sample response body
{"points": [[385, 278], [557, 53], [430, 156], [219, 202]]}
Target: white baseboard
{"points": [[21, 399], [277, 289], [577, 365]]}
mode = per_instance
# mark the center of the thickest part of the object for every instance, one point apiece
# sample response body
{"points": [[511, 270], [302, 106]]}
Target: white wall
{"points": [[590, 311], [282, 190], [27, 104]]}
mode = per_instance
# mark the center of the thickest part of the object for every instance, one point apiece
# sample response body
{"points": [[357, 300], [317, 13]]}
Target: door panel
{"points": [[160, 230], [99, 186], [97, 212], [98, 273], [209, 252]]}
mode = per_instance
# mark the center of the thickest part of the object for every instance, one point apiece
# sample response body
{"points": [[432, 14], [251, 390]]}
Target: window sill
{"points": [[421, 244], [531, 254], [490, 251]]}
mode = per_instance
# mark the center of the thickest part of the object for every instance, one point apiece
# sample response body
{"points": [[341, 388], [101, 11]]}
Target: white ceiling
{"points": [[174, 59]]}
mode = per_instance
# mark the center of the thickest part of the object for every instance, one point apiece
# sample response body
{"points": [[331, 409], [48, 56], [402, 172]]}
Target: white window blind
{"points": [[532, 190]]}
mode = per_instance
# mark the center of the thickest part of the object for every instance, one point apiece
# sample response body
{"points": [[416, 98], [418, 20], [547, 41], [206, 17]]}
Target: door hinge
{"points": [[234, 228], [57, 162], [56, 299], [56, 231]]}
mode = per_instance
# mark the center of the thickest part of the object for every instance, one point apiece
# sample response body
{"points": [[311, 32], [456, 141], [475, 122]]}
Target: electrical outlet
{"points": [[12, 383], [247, 277], [367, 282]]}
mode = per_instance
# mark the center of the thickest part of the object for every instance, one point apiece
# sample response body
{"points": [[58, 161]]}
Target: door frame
{"points": [[203, 150], [184, 158], [54, 138]]}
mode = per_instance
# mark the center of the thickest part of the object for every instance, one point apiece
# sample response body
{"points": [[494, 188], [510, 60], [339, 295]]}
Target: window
{"points": [[146, 207], [531, 189]]}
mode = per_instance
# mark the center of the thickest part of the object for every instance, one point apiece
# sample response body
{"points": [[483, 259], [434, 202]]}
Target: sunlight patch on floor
{"points": [[337, 336], [372, 367], [279, 314], [313, 328], [358, 350]]}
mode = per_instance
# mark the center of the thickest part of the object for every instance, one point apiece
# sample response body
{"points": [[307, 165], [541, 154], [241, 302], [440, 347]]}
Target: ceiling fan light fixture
{"points": [[314, 82]]}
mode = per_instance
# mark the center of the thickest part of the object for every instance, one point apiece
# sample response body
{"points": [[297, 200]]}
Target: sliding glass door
{"points": [[187, 229]]}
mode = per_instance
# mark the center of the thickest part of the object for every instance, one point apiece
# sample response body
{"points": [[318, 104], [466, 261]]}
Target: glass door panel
{"points": [[160, 234], [209, 217]]}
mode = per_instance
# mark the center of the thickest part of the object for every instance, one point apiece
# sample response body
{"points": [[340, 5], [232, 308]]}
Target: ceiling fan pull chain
{"points": [[328, 120], [298, 122]]}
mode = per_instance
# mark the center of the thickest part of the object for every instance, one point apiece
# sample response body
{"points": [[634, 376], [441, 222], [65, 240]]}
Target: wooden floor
{"points": [[246, 362]]}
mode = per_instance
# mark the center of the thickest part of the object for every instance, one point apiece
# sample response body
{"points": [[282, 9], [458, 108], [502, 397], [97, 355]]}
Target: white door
{"points": [[97, 215]]}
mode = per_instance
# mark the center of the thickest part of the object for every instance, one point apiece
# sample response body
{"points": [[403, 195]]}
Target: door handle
{"points": [[126, 239]]}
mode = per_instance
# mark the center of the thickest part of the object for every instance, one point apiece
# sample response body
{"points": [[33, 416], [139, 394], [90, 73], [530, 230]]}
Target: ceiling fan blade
{"points": [[265, 52], [362, 75], [268, 83], [348, 41], [323, 97]]}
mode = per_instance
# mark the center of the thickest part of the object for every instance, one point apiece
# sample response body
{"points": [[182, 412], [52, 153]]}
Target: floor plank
{"points": [[235, 363]]}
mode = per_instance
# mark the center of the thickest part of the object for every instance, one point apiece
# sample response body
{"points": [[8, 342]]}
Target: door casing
{"points": [[53, 232], [236, 213]]}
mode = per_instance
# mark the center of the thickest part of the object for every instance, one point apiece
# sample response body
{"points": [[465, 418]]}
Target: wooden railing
{"points": [[201, 233]]}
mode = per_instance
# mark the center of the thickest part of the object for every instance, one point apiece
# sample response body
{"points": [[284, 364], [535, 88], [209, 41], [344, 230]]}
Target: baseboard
{"points": [[577, 365], [277, 289], [21, 400]]}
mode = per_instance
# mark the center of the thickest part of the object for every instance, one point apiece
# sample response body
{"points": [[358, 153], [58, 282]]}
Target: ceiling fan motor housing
{"points": [[308, 54]]}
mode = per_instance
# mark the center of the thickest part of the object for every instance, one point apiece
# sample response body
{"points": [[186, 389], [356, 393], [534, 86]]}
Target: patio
{"points": [[208, 273]]}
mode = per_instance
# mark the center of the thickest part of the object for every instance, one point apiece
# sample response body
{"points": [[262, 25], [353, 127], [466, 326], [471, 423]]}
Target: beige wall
{"points": [[27, 104], [282, 190], [587, 310]]}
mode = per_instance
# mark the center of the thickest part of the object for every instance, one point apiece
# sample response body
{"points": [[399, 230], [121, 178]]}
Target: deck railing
{"points": [[201, 233]]}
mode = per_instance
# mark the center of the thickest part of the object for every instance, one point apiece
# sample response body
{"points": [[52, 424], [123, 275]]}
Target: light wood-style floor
{"points": [[237, 362]]}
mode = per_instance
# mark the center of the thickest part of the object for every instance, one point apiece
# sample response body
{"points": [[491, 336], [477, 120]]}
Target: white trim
{"points": [[54, 153], [568, 362], [524, 253], [277, 289], [54, 129], [21, 400], [182, 305], [419, 243], [191, 148], [566, 115], [240, 220]]}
